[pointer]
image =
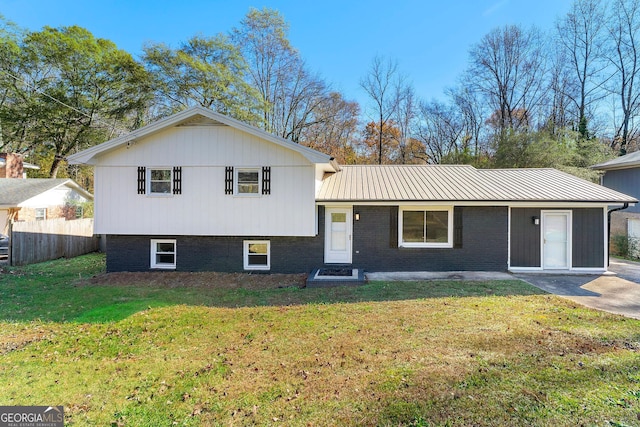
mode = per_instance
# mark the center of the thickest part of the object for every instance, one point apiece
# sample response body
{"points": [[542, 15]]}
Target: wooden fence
{"points": [[37, 241]]}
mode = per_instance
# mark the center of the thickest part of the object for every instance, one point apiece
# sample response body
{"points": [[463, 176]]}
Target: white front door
{"points": [[337, 241], [556, 238]]}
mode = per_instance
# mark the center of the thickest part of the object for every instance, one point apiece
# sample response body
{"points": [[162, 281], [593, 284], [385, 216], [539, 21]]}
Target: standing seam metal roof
{"points": [[460, 183]]}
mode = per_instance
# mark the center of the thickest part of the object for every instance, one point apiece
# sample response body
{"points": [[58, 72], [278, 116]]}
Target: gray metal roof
{"points": [[460, 183], [14, 191], [623, 162]]}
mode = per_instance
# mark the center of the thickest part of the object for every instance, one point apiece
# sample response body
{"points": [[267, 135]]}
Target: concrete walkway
{"points": [[617, 291]]}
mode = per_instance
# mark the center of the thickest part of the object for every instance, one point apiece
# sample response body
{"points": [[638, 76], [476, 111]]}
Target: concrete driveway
{"points": [[617, 291]]}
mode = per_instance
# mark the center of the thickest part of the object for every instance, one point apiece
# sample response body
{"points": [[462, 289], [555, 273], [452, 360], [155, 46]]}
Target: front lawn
{"points": [[418, 353]]}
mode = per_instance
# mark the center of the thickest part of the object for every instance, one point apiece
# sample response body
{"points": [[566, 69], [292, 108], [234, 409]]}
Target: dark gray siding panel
{"points": [[588, 238], [525, 238], [626, 181], [484, 243]]}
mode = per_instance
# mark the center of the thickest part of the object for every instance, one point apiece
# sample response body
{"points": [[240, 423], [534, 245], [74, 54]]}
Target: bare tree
{"points": [[297, 102], [508, 69], [386, 87], [441, 131], [581, 36], [335, 129], [561, 109], [624, 28], [473, 116], [289, 93], [405, 118]]}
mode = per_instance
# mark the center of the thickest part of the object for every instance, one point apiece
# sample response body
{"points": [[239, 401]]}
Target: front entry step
{"points": [[335, 276]]}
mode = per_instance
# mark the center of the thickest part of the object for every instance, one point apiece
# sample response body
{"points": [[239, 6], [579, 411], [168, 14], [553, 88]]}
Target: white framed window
{"points": [[248, 181], [41, 214], [79, 212], [425, 227], [160, 181], [257, 255], [163, 253]]}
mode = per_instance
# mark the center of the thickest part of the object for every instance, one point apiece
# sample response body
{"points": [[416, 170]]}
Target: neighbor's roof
{"points": [[191, 115], [623, 162], [461, 183], [14, 191], [25, 165]]}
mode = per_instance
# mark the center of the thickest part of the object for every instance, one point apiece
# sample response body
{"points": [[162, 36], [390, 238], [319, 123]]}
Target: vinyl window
{"points": [[40, 214], [160, 181], [257, 255], [421, 227], [163, 253], [248, 181]]}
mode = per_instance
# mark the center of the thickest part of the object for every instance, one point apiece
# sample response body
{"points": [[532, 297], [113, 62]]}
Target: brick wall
{"points": [[484, 243], [29, 214], [484, 247]]}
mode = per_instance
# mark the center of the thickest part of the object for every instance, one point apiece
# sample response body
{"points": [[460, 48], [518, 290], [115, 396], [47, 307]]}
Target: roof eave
{"points": [[88, 156], [461, 201]]}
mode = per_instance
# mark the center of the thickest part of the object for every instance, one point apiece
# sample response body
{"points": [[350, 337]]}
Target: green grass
{"points": [[439, 353]]}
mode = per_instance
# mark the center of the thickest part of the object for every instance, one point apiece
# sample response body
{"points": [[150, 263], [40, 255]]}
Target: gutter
{"points": [[625, 206]]}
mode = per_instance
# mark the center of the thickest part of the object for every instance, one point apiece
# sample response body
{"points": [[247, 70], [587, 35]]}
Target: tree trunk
{"points": [[55, 166]]}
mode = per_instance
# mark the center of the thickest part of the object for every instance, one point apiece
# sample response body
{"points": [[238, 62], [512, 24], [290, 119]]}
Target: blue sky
{"points": [[338, 38]]}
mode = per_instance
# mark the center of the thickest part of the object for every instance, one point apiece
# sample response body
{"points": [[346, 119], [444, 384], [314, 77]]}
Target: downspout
{"points": [[625, 206]]}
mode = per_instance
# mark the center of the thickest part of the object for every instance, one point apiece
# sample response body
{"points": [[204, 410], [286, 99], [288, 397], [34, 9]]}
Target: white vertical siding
{"points": [[203, 152]]}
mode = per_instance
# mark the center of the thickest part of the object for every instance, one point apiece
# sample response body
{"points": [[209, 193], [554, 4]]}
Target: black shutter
{"points": [[228, 180], [393, 227], [177, 180], [457, 226], [142, 180], [266, 180]]}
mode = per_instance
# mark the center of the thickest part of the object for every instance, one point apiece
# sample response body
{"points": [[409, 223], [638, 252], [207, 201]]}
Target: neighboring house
{"points": [[38, 199], [623, 174], [201, 191]]}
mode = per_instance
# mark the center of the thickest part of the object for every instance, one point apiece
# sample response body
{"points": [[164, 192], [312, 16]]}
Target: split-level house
{"points": [[201, 191]]}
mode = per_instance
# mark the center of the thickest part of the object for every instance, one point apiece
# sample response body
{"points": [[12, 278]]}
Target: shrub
{"points": [[620, 244]]}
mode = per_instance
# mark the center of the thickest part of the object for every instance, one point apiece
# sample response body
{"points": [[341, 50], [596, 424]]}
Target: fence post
{"points": [[10, 254]]}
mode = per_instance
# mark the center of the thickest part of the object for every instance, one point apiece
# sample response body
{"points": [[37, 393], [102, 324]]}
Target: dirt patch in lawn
{"points": [[170, 279]]}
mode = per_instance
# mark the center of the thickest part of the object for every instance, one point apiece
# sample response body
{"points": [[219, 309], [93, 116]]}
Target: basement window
{"points": [[257, 255], [163, 253]]}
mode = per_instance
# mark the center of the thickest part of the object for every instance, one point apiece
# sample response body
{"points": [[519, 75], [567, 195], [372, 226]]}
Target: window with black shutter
{"points": [[159, 181]]}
